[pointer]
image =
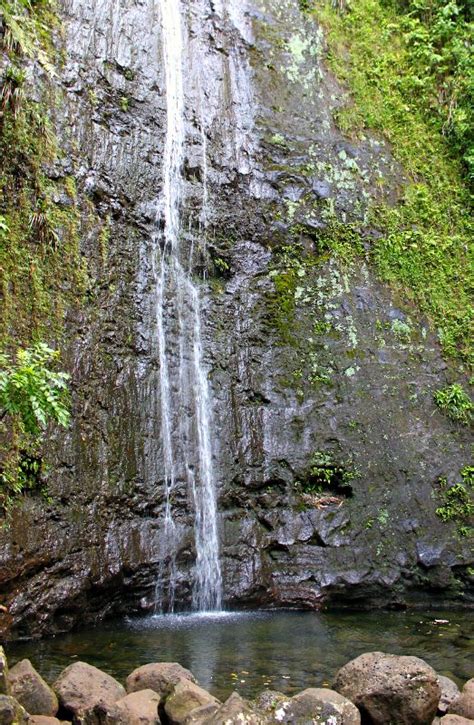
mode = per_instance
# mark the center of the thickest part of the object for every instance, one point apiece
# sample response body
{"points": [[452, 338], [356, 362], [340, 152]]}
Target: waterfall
{"points": [[185, 399]]}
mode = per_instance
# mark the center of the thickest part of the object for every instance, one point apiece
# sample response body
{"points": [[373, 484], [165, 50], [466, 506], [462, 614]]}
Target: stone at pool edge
{"points": [[454, 720], [86, 692], [391, 688], [315, 704], [449, 692], [161, 677], [4, 684], [137, 708], [11, 712], [186, 697], [464, 704], [234, 711], [31, 691]]}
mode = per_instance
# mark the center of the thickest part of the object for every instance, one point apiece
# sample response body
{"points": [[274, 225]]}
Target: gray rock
{"points": [[314, 705], [31, 691], [43, 720], [186, 697], [85, 692], [449, 692], [237, 711], [201, 715], [387, 688], [455, 720], [464, 704], [11, 712], [161, 677], [137, 708]]}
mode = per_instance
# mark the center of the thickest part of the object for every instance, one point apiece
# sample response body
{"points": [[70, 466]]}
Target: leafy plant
{"points": [[11, 90], [31, 392], [458, 500], [325, 473], [31, 395], [455, 402]]}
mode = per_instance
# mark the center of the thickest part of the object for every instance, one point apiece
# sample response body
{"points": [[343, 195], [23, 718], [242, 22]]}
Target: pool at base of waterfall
{"points": [[252, 651]]}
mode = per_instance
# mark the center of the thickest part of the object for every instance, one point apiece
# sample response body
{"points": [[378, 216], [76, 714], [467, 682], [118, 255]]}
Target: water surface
{"points": [[251, 651]]}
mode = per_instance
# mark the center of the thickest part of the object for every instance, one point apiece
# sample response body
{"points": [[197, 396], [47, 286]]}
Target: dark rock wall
{"points": [[353, 377]]}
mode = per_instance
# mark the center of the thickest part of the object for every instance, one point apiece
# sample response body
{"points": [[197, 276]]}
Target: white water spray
{"points": [[178, 312]]}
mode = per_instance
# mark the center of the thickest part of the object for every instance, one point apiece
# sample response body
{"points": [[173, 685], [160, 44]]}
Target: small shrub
{"points": [[31, 395], [455, 402], [458, 501], [326, 474]]}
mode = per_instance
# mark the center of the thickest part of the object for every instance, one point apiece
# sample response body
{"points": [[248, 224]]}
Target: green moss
{"points": [[42, 270], [425, 239]]}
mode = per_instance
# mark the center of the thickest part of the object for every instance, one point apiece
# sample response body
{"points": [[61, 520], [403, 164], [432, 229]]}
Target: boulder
{"points": [[11, 712], [186, 697], [455, 720], [138, 708], [201, 715], [236, 711], [314, 705], [4, 684], [43, 720], [84, 690], [449, 692], [161, 677], [268, 700], [390, 689], [464, 704], [31, 691]]}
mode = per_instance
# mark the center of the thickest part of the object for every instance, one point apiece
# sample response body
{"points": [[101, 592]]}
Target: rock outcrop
{"points": [[328, 362]]}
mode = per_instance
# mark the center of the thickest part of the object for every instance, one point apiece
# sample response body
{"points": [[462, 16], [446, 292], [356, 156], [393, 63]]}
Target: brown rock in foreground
{"points": [[455, 720], [82, 690], [464, 704], [449, 693], [161, 677], [11, 712], [43, 720], [4, 684], [138, 708], [387, 688], [31, 691], [186, 697], [236, 711]]}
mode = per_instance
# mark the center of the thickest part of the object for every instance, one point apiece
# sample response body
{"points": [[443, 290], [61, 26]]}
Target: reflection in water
{"points": [[249, 651]]}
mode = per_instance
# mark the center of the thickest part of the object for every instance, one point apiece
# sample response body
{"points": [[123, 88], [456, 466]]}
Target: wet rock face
{"points": [[349, 374]]}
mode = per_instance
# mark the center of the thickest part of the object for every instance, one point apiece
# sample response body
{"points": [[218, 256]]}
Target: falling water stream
{"points": [[186, 410]]}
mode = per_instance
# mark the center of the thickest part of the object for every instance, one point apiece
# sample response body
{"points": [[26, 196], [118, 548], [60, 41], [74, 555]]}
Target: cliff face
{"points": [[328, 446]]}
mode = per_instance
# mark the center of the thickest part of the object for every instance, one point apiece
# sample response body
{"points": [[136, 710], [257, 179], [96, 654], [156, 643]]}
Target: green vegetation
{"points": [[456, 403], [40, 264], [458, 501], [324, 474], [42, 272], [409, 67], [31, 394]]}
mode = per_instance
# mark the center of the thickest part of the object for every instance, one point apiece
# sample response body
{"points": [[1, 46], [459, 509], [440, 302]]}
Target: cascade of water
{"points": [[186, 439]]}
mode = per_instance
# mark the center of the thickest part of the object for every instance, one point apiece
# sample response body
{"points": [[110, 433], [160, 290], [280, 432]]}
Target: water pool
{"points": [[251, 651]]}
